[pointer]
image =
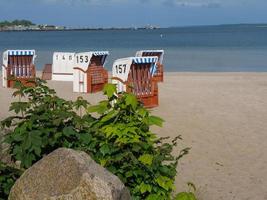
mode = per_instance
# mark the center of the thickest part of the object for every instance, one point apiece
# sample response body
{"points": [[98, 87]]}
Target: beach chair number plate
{"points": [[64, 58], [120, 69], [82, 59]]}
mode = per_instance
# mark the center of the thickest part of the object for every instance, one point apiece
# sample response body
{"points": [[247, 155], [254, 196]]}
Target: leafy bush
{"points": [[8, 176], [43, 123], [119, 138], [124, 144]]}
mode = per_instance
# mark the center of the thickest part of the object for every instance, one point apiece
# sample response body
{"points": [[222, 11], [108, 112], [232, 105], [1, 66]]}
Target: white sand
{"points": [[222, 116]]}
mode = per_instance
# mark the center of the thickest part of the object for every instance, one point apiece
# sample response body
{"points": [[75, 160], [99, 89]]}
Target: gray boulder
{"points": [[66, 174]]}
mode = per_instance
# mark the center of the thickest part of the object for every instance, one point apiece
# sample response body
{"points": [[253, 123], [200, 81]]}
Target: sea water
{"points": [[196, 49]]}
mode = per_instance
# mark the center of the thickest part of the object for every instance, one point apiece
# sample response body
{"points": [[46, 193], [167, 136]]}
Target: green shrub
{"points": [[119, 138], [8, 176], [124, 144], [43, 123]]}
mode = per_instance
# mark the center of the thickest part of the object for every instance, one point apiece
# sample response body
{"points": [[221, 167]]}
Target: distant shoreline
{"points": [[259, 25], [82, 29]]}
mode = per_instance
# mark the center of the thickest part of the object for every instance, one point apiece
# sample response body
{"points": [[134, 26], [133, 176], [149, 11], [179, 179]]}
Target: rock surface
{"points": [[67, 174]]}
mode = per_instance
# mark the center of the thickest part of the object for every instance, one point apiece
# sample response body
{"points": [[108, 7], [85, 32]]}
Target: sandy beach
{"points": [[221, 116]]}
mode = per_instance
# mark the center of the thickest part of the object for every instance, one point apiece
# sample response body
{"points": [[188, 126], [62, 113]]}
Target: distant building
{"points": [[151, 27]]}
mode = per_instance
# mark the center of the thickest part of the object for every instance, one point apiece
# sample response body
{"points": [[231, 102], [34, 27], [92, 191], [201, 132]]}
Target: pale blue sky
{"points": [[124, 13]]}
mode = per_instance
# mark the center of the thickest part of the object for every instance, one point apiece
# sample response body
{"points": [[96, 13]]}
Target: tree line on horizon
{"points": [[16, 22]]}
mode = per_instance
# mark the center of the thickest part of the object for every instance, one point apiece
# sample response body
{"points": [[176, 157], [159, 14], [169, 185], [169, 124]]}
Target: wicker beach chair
{"points": [[89, 73], [18, 65], [159, 73], [135, 75]]}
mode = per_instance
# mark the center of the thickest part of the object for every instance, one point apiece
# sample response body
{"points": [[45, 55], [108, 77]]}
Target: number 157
{"points": [[120, 68]]}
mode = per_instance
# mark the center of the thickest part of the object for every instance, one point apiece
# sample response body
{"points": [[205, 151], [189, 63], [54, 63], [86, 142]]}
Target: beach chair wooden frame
{"points": [[47, 72], [137, 79], [159, 73], [18, 65], [90, 76]]}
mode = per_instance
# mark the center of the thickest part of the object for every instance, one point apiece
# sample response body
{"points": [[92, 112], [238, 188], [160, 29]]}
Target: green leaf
{"points": [[93, 109], [110, 115], [167, 171], [109, 90], [153, 120], [131, 100], [80, 102], [17, 137], [17, 152], [37, 149], [145, 188], [18, 107], [36, 137], [8, 121], [69, 131], [165, 182], [86, 138], [27, 142], [101, 108], [27, 160], [185, 196], [146, 159], [18, 84], [103, 162], [105, 149], [110, 131], [154, 197], [129, 174]]}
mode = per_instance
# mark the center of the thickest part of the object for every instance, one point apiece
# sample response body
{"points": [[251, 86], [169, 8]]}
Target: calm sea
{"points": [[198, 49]]}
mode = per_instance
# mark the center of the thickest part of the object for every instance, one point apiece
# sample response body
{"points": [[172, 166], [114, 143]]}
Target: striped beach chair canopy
{"points": [[145, 60], [8, 53], [102, 54], [21, 52], [140, 60], [145, 53]]}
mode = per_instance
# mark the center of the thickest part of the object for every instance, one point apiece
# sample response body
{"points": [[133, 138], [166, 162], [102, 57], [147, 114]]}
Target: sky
{"points": [[130, 13]]}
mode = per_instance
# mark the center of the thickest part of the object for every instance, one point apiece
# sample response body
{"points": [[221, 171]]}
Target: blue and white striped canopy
{"points": [[141, 60], [103, 55], [153, 51], [100, 53], [21, 52]]}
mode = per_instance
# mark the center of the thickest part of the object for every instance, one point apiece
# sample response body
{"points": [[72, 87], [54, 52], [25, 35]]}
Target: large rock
{"points": [[66, 174]]}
